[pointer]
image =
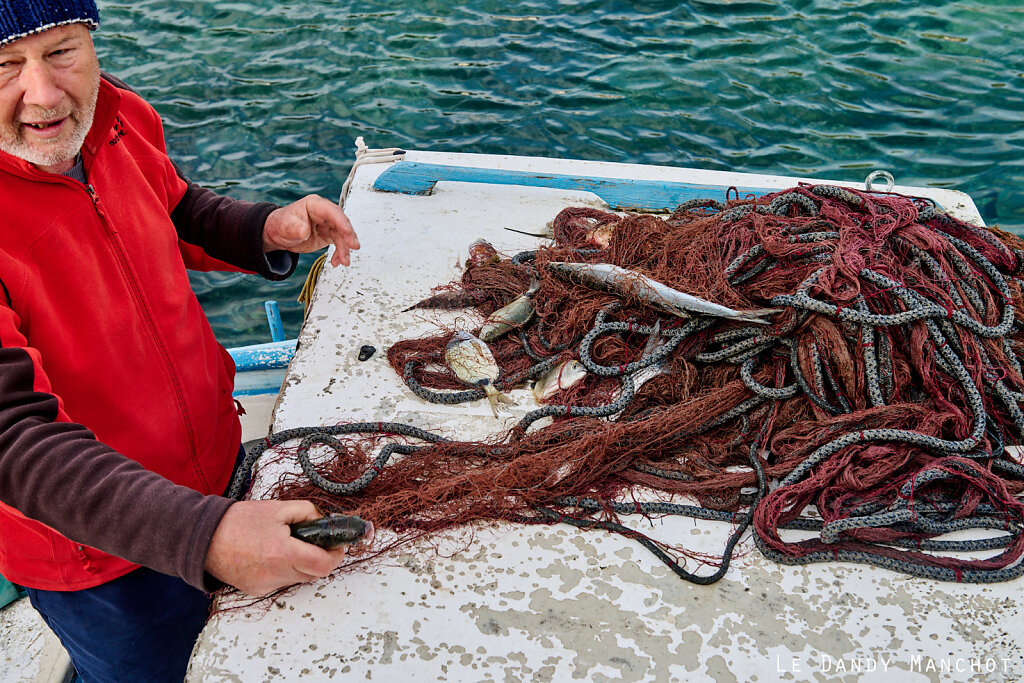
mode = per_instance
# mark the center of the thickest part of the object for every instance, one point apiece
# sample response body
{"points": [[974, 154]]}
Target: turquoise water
{"points": [[264, 99]]}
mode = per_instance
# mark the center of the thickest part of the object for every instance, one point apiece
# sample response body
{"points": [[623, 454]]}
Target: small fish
{"points": [[472, 362], [447, 300], [332, 531], [482, 252], [608, 277], [558, 378], [644, 375], [601, 236], [654, 343], [510, 316]]}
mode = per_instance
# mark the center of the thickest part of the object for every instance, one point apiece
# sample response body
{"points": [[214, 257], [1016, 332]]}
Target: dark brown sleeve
{"points": [[230, 230], [56, 472]]}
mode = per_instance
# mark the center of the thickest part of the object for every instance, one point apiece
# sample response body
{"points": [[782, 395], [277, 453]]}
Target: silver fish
{"points": [[472, 362], [612, 278], [654, 343], [558, 378], [644, 375], [510, 316]]}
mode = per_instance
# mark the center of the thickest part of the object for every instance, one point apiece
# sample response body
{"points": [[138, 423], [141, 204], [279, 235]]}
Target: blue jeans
{"points": [[139, 627]]}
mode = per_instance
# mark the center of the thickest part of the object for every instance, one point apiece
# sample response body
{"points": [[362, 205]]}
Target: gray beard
{"points": [[66, 151]]}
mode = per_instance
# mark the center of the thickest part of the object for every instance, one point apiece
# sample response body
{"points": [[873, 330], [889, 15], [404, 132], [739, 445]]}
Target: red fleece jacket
{"points": [[117, 426]]}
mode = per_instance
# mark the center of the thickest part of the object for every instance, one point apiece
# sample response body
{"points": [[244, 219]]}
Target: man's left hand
{"points": [[310, 224]]}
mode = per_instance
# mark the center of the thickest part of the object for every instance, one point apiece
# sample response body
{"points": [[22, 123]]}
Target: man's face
{"points": [[48, 87]]}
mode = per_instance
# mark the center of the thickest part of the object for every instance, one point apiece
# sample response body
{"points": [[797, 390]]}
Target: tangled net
{"points": [[873, 416]]}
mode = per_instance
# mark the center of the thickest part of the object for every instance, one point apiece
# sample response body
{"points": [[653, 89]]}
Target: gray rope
{"points": [[962, 302], [243, 473]]}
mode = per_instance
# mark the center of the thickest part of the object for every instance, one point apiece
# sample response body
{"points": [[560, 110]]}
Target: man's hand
{"points": [[310, 224], [252, 548]]}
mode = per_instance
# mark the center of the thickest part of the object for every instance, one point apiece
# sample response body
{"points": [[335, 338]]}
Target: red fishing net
{"points": [[875, 412]]}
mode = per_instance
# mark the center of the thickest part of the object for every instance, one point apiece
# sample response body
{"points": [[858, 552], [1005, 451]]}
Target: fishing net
{"points": [[872, 414]]}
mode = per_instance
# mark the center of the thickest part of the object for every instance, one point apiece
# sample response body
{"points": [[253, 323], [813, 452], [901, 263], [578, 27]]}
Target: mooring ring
{"points": [[879, 175]]}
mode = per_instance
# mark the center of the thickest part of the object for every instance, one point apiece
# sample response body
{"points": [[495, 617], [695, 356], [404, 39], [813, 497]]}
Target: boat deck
{"points": [[516, 603], [29, 651]]}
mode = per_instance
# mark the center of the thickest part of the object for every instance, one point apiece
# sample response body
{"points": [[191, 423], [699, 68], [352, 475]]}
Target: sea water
{"points": [[263, 100]]}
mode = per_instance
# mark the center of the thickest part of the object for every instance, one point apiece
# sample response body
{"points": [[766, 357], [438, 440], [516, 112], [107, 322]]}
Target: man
{"points": [[117, 427]]}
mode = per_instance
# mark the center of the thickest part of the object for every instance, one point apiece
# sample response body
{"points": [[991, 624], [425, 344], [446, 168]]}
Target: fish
{"points": [[472, 362], [601, 236], [654, 343], [644, 375], [332, 531], [482, 252], [510, 316], [447, 300], [558, 378], [612, 278]]}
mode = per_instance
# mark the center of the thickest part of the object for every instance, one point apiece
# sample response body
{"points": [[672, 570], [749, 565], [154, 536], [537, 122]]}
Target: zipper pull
{"points": [[97, 204]]}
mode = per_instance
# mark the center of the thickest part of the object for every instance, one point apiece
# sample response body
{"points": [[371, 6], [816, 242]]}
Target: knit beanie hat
{"points": [[20, 18]]}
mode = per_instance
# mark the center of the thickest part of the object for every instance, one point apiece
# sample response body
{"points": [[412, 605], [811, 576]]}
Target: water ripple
{"points": [[263, 99]]}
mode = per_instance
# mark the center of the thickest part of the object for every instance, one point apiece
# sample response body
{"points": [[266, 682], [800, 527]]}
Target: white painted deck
{"points": [[554, 604], [29, 651]]}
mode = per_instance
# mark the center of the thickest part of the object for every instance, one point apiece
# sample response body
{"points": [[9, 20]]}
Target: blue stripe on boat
{"points": [[417, 178]]}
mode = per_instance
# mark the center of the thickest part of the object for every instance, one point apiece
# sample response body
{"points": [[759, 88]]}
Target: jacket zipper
{"points": [[137, 295]]}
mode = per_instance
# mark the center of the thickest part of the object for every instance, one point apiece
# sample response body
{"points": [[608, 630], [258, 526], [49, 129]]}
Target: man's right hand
{"points": [[253, 550]]}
